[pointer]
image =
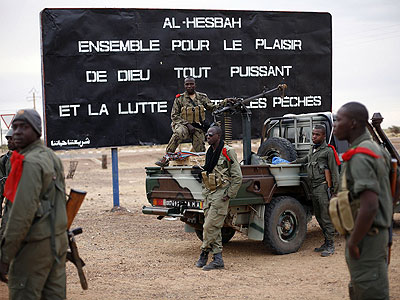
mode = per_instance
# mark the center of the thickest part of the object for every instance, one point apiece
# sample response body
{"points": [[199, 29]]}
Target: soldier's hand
{"points": [[354, 251], [3, 272], [190, 128], [230, 101]]}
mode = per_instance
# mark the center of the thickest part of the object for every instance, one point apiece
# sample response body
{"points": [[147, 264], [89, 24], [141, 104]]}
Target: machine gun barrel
{"points": [[243, 102]]}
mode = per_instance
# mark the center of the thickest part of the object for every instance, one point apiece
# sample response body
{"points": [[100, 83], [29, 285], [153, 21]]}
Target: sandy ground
{"points": [[134, 256]]}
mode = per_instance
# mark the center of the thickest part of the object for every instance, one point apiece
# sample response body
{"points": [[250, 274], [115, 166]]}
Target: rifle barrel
{"points": [[249, 99]]}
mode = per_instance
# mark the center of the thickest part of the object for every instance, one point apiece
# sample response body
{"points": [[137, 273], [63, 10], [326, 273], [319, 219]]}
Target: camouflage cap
{"points": [[9, 133], [30, 116]]}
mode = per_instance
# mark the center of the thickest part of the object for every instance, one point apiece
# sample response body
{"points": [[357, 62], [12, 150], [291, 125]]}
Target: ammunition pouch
{"points": [[194, 114], [343, 213], [211, 181]]}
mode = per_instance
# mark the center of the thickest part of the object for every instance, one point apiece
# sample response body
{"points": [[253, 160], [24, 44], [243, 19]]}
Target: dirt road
{"points": [[133, 256]]}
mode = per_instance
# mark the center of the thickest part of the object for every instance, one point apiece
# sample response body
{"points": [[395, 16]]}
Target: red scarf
{"points": [[13, 178], [349, 153], [336, 155]]}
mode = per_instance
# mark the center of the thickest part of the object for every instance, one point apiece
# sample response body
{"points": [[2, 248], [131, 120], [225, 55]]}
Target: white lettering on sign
{"points": [[296, 101], [118, 46], [255, 104], [133, 75], [199, 72], [170, 23], [260, 71], [65, 110], [96, 76], [234, 45], [142, 107], [212, 22], [190, 45], [278, 44], [103, 110]]}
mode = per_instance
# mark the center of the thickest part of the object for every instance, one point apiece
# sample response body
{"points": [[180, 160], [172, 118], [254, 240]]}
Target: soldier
{"points": [[322, 169], [222, 178], [366, 170], [5, 168], [188, 118], [34, 246], [5, 165]]}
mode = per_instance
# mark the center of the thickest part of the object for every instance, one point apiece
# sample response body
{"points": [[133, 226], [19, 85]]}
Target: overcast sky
{"points": [[366, 46]]}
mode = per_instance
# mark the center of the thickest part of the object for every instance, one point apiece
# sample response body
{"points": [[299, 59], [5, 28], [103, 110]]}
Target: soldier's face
{"points": [[24, 134], [10, 143], [318, 136], [212, 136], [190, 86], [342, 125]]}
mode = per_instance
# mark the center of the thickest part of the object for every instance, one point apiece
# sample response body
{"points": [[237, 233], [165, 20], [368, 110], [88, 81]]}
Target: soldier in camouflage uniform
{"points": [[5, 168], [222, 178], [188, 116], [367, 168], [320, 158], [34, 246]]}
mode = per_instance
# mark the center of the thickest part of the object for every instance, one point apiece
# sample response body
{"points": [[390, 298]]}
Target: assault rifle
{"points": [[74, 202]]}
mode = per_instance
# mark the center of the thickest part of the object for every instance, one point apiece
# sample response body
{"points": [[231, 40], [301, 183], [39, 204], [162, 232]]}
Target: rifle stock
{"points": [[74, 202]]}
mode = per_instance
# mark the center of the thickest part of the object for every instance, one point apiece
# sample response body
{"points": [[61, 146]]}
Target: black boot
{"points": [[216, 263], [202, 260], [330, 248], [322, 247], [163, 162]]}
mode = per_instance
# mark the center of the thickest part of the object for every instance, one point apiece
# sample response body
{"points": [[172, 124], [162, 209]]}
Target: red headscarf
{"points": [[336, 155], [13, 178], [349, 153]]}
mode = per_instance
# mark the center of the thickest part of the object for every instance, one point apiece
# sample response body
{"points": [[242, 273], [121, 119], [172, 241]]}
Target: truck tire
{"points": [[277, 147], [227, 234], [285, 225]]}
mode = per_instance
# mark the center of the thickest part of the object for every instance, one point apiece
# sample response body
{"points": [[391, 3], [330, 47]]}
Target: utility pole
{"points": [[33, 98]]}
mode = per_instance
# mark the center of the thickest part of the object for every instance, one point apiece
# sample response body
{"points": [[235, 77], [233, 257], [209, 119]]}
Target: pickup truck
{"points": [[273, 204]]}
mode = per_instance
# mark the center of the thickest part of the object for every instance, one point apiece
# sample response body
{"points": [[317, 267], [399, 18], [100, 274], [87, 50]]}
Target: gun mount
{"points": [[239, 105]]}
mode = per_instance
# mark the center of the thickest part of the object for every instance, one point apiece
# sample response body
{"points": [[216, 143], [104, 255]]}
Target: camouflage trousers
{"points": [[369, 273], [321, 210], [180, 133], [35, 273], [215, 211]]}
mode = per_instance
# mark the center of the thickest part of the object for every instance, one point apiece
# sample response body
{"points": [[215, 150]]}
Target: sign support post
{"points": [[114, 163]]}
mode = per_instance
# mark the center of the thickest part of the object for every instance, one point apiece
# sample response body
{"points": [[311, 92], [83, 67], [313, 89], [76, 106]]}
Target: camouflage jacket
{"points": [[229, 172], [40, 194], [184, 100], [317, 160]]}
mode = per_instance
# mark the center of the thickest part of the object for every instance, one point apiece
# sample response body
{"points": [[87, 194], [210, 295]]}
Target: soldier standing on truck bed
{"points": [[222, 178], [188, 119], [365, 178], [322, 169], [33, 248]]}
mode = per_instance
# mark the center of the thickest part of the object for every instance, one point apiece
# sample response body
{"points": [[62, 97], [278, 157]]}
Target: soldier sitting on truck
{"points": [[222, 178], [322, 169], [188, 119]]}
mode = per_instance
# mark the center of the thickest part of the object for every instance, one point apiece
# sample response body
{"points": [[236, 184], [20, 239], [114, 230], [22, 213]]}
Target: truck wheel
{"points": [[227, 234], [285, 225], [277, 147]]}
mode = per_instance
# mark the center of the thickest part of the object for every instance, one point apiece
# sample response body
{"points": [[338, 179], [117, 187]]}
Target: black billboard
{"points": [[110, 76]]}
